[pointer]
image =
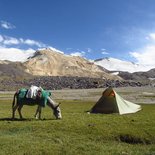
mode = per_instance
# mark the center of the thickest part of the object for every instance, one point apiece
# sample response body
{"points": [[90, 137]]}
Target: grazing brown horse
{"points": [[20, 99]]}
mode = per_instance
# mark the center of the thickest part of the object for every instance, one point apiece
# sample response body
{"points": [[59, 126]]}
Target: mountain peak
{"points": [[51, 63], [113, 64]]}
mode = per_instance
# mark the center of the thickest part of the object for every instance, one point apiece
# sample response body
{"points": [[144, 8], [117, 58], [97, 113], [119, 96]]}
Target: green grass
{"points": [[78, 133]]}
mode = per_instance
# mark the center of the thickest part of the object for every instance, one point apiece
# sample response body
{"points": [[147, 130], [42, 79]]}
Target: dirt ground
{"points": [[140, 95]]}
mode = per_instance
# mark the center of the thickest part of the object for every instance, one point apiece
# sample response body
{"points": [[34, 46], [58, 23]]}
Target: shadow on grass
{"points": [[134, 140], [26, 119]]}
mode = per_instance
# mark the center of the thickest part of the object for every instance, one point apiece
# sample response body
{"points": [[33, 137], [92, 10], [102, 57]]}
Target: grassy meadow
{"points": [[78, 133]]}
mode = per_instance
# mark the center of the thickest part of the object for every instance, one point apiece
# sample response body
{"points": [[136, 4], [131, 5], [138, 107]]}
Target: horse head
{"points": [[57, 112]]}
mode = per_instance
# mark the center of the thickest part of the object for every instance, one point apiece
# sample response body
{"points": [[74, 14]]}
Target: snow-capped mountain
{"points": [[48, 62], [113, 64]]}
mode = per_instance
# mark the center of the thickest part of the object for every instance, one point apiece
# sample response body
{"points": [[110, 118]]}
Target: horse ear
{"points": [[57, 105]]}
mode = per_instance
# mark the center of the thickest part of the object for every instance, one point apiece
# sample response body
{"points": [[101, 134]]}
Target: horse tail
{"points": [[14, 98]]}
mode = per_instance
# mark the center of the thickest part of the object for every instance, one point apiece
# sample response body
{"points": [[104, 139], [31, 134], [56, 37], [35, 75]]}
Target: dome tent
{"points": [[111, 102]]}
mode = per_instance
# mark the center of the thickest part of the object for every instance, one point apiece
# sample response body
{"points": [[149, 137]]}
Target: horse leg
{"points": [[14, 105], [38, 111], [55, 107], [19, 111], [14, 110]]}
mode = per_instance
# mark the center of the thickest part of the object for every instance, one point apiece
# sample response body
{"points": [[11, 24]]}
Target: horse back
{"points": [[22, 99]]}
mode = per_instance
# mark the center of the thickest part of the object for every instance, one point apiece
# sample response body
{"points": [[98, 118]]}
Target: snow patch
{"points": [[113, 64]]}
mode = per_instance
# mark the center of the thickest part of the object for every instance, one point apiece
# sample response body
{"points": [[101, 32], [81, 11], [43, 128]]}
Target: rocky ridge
{"points": [[62, 82], [51, 63]]}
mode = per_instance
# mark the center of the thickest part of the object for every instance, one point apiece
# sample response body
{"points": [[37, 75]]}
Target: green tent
{"points": [[111, 102]]}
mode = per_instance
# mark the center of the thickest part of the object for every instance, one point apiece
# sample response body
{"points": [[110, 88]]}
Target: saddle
{"points": [[34, 92]]}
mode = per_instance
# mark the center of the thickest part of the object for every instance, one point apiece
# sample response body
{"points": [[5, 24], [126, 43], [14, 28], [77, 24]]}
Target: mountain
{"points": [[139, 76], [48, 62], [55, 70], [12, 69], [113, 64]]}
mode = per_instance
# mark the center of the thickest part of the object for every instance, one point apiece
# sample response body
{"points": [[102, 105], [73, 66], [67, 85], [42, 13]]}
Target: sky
{"points": [[93, 29]]}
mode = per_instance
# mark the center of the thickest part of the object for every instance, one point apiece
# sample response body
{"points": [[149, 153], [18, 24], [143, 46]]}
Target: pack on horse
{"points": [[42, 98]]}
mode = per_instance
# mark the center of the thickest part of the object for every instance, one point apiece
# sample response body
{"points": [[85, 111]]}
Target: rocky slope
{"points": [[51, 63], [149, 75], [10, 69], [53, 70], [61, 82]]}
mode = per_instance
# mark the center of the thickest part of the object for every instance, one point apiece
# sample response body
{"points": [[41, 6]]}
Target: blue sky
{"points": [[123, 29]]}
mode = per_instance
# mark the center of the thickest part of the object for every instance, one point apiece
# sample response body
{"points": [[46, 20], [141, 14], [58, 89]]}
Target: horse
{"points": [[41, 100]]}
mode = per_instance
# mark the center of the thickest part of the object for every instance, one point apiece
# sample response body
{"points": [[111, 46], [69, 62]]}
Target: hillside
{"points": [[54, 70], [50, 63], [10, 69], [149, 75]]}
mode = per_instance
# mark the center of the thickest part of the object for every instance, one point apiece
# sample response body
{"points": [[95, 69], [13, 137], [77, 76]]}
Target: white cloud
{"points": [[10, 48], [151, 36], [89, 50], [7, 40], [145, 56], [81, 54], [104, 51], [7, 25], [33, 42], [10, 40], [15, 54], [1, 38]]}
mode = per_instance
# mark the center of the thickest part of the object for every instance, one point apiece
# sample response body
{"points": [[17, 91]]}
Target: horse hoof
{"points": [[36, 117], [59, 118], [12, 118]]}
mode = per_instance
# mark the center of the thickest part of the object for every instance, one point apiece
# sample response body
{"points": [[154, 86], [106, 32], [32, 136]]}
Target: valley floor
{"points": [[142, 95], [78, 132]]}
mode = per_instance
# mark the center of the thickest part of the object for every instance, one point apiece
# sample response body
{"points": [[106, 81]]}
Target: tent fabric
{"points": [[111, 102]]}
